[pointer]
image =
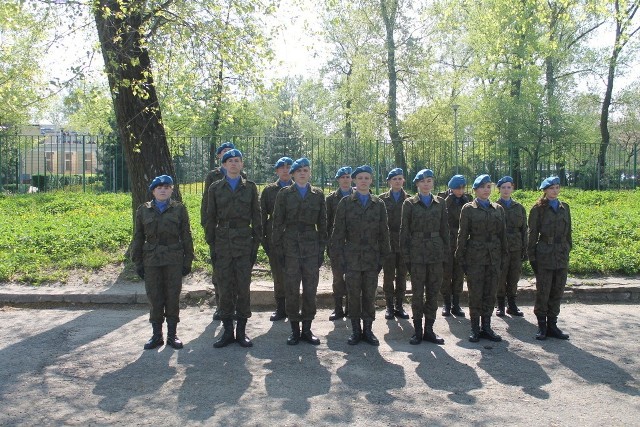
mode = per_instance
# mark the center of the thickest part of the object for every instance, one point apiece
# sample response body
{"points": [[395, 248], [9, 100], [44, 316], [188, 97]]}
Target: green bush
{"points": [[44, 235]]}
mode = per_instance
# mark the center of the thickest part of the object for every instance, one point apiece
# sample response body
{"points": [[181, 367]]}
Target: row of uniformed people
{"points": [[231, 217]]}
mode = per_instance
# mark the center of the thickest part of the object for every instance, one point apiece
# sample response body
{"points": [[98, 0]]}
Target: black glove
{"points": [[140, 270], [186, 269], [534, 266]]}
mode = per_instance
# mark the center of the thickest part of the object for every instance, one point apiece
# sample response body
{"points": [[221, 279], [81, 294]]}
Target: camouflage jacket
{"points": [[332, 206], [394, 216], [267, 204], [360, 234], [233, 225], [162, 238], [213, 176], [482, 235], [453, 212], [299, 225], [516, 221], [550, 236], [424, 232]]}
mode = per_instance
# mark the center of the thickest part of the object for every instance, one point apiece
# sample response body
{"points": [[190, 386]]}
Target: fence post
{"points": [[635, 164]]}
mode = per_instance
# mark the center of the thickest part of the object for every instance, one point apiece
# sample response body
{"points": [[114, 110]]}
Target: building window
{"points": [[68, 162], [49, 156], [88, 162]]}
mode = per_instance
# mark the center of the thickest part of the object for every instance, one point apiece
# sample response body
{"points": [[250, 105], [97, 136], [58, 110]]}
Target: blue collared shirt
{"points": [[555, 204], [285, 183], [162, 206], [396, 195], [483, 203], [507, 202], [303, 190], [426, 199], [233, 182], [364, 198]]}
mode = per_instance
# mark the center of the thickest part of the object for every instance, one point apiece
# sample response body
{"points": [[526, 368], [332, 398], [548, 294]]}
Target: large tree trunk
{"points": [[605, 137], [135, 101], [388, 9]]}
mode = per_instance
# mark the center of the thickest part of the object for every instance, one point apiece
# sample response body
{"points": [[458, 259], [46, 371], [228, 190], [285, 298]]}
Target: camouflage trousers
{"points": [[163, 285], [482, 281], [425, 282], [549, 290]]}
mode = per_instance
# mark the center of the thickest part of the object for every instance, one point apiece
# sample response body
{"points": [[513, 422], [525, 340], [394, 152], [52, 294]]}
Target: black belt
{"points": [[426, 235], [233, 224], [483, 238], [163, 242], [301, 227], [551, 239]]}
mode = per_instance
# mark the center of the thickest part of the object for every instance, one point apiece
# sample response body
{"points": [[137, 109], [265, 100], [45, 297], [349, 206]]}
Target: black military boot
{"points": [[241, 335], [367, 333], [399, 310], [156, 339], [227, 336], [455, 306], [553, 330], [172, 338], [280, 313], [512, 308], [338, 312], [389, 314], [307, 335], [542, 328], [294, 338], [417, 325], [356, 332], [475, 329], [446, 308], [487, 332], [429, 335], [216, 314], [500, 309]]}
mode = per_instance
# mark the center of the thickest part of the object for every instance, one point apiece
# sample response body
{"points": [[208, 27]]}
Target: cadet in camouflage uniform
{"points": [[300, 236], [424, 239], [343, 176], [482, 244], [267, 203], [213, 176], [162, 250], [453, 277], [233, 231], [516, 219], [549, 246], [393, 267], [361, 238]]}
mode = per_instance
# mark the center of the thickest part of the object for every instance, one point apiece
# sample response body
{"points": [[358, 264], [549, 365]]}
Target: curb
{"points": [[264, 299]]}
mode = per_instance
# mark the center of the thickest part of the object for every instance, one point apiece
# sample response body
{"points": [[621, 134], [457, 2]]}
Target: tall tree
{"points": [[122, 25], [626, 28]]}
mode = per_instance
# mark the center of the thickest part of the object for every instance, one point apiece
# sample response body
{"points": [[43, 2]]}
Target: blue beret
{"points": [[424, 173], [301, 162], [504, 179], [394, 172], [481, 179], [223, 146], [160, 180], [282, 161], [345, 170], [360, 169], [548, 182], [231, 153], [457, 181]]}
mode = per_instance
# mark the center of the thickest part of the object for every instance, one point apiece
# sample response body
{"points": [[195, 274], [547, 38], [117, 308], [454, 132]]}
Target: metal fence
{"points": [[96, 163]]}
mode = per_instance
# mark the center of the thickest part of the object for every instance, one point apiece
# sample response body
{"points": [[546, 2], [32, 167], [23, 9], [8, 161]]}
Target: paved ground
{"points": [[85, 366]]}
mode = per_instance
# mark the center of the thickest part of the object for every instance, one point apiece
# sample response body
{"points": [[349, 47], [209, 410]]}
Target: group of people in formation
{"points": [[438, 239]]}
